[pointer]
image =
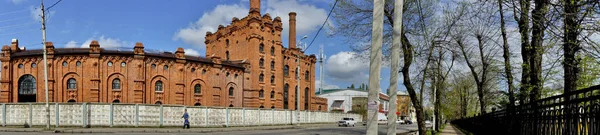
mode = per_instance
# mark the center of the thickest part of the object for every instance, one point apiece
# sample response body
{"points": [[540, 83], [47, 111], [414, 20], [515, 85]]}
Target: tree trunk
{"points": [[480, 82], [523, 22], [571, 45], [407, 51], [507, 67], [506, 55], [537, 39]]}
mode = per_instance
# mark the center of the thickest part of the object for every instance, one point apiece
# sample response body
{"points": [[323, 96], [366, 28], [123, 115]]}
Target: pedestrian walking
{"points": [[186, 122]]}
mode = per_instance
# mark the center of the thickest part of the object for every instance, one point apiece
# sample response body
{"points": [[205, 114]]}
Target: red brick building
{"points": [[246, 65]]}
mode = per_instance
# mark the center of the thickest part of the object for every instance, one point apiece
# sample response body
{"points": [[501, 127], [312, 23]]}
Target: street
{"points": [[322, 130]]}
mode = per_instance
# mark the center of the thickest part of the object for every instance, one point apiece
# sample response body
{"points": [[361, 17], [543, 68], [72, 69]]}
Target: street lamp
{"points": [[298, 79]]}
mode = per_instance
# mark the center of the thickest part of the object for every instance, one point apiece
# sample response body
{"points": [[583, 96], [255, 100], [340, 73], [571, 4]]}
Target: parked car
{"points": [[347, 122], [408, 121], [399, 121]]}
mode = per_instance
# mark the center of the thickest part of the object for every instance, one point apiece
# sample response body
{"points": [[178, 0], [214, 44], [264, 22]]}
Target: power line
{"points": [[325, 22], [8, 20], [14, 12], [19, 32], [53, 5], [16, 25]]}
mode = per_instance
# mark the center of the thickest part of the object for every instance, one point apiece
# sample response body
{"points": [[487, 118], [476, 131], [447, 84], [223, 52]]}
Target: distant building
{"points": [[342, 99], [405, 108]]}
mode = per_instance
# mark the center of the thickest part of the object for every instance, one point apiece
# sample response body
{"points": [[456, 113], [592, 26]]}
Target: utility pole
{"points": [[375, 67], [298, 80], [395, 67], [45, 66]]}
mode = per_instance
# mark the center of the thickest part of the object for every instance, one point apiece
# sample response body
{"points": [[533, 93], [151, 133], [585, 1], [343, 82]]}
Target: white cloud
{"points": [[16, 2], [71, 44], [325, 86], [344, 66], [309, 18], [105, 42], [195, 33], [191, 52]]}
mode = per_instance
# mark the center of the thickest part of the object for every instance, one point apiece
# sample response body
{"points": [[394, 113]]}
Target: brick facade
{"points": [[233, 63], [257, 40]]}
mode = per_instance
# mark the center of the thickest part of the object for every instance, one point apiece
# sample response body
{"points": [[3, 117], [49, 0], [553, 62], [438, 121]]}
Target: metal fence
{"points": [[572, 113]]}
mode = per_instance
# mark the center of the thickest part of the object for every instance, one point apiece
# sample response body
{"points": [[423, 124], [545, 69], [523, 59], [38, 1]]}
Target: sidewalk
{"points": [[160, 130], [451, 130]]}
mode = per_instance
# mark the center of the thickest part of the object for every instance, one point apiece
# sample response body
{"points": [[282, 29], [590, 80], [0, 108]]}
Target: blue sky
{"points": [[163, 25]]}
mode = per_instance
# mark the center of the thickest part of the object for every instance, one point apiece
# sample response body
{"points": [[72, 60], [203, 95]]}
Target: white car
{"points": [[347, 122], [400, 122]]}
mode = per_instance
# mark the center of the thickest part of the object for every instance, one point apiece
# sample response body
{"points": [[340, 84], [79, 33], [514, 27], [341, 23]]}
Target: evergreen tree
{"points": [[352, 86]]}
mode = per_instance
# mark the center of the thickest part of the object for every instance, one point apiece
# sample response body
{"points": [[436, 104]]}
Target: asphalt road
{"points": [[325, 130]]}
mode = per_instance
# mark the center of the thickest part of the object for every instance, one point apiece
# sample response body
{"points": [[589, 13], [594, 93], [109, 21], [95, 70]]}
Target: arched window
{"points": [[306, 97], [230, 105], [272, 94], [65, 63], [20, 65], [286, 70], [230, 91], [272, 50], [272, 79], [272, 65], [166, 67], [261, 78], [109, 64], [227, 55], [261, 62], [227, 42], [197, 89], [123, 64], [78, 63], [158, 103], [261, 94], [116, 101], [153, 66], [27, 85], [158, 86], [116, 84], [306, 76], [71, 84], [261, 106], [261, 48], [197, 104], [72, 101]]}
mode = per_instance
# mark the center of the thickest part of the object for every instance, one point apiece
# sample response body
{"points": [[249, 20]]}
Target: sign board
{"points": [[372, 106]]}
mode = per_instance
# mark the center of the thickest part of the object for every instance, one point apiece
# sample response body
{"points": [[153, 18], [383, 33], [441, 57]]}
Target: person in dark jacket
{"points": [[186, 122]]}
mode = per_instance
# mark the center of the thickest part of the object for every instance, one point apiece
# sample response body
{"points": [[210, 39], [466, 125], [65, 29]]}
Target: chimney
{"points": [[292, 35], [255, 5]]}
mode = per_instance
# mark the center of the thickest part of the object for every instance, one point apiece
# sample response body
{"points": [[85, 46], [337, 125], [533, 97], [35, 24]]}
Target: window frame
{"points": [[116, 87], [158, 88], [71, 84]]}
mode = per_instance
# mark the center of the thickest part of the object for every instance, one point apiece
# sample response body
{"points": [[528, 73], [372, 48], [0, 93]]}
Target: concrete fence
{"points": [[146, 115]]}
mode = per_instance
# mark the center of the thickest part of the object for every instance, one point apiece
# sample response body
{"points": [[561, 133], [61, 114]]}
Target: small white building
{"points": [[341, 99]]}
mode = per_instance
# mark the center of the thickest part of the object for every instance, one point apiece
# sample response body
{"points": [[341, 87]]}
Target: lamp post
{"points": [[298, 80]]}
